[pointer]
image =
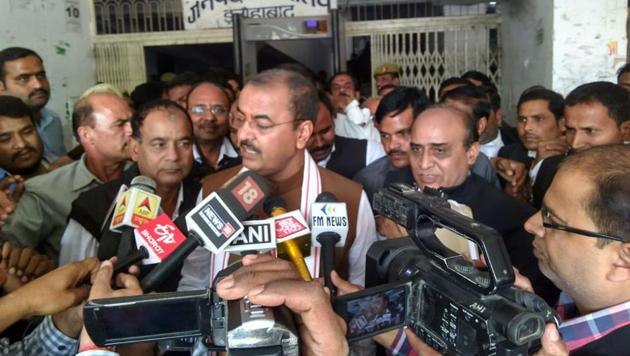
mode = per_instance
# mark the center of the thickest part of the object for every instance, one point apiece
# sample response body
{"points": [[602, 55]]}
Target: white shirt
{"points": [[226, 149], [196, 269], [356, 123], [491, 149], [533, 172], [77, 243], [373, 151]]}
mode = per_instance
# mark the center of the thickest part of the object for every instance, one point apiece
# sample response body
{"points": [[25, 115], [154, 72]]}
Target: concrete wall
{"points": [[589, 41], [527, 49], [560, 44], [61, 38]]}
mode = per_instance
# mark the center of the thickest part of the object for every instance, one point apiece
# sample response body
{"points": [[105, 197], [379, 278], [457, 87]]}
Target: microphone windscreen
{"points": [[244, 194], [144, 183], [326, 197]]}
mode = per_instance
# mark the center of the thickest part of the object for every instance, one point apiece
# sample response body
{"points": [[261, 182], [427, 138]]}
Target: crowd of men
{"points": [[555, 187]]}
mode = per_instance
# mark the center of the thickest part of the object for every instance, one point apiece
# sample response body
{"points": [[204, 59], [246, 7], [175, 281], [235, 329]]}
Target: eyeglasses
{"points": [[238, 121], [551, 225], [214, 109]]}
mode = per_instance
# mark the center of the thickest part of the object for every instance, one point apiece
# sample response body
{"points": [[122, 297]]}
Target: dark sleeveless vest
{"points": [[348, 157], [91, 209]]}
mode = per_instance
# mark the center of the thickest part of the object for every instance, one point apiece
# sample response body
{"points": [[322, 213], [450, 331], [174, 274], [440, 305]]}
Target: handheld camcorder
{"points": [[453, 306], [238, 326]]}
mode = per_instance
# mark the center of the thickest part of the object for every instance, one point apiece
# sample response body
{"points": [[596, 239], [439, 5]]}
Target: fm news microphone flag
{"points": [[329, 228], [214, 223]]}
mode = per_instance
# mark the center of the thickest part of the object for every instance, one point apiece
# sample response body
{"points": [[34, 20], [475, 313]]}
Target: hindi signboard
{"points": [[201, 14]]}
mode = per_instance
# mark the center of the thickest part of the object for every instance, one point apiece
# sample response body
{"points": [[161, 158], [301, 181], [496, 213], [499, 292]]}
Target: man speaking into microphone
{"points": [[161, 146], [274, 119]]}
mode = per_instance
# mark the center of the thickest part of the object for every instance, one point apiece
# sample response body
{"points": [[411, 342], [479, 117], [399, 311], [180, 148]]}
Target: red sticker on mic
{"points": [[248, 193], [289, 226], [161, 236]]}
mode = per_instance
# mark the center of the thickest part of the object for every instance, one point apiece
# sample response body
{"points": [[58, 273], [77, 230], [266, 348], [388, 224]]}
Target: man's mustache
{"points": [[322, 149], [393, 152], [248, 144], [38, 91], [17, 155]]}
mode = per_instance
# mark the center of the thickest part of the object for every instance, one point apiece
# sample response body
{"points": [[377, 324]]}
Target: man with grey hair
{"points": [[101, 124], [442, 151]]}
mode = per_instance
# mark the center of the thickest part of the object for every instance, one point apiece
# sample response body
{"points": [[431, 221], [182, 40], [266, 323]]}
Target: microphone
{"points": [[292, 233], [329, 225], [108, 244], [135, 257], [160, 237], [214, 223], [257, 237], [135, 207]]}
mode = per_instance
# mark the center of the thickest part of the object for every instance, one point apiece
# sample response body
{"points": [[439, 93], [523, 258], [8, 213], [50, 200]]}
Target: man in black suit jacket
{"points": [[442, 151], [342, 155], [596, 114], [539, 126], [393, 118]]}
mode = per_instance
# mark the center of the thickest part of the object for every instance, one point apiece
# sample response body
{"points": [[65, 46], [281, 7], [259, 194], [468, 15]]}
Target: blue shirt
{"points": [[46, 339], [51, 133]]}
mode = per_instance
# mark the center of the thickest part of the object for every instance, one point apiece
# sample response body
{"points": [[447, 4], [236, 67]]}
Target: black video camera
{"points": [[180, 318], [453, 306]]}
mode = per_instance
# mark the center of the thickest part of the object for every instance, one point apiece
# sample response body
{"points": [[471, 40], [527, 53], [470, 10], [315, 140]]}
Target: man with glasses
{"points": [[442, 151], [208, 107], [582, 242], [275, 115]]}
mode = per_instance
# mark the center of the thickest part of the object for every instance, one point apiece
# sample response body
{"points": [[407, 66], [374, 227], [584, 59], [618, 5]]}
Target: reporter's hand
{"points": [[522, 282], [9, 197], [522, 193], [419, 346], [56, 290], [271, 282], [389, 228], [13, 193], [514, 172], [343, 286], [553, 147], [552, 344], [257, 270], [22, 265], [102, 286]]}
